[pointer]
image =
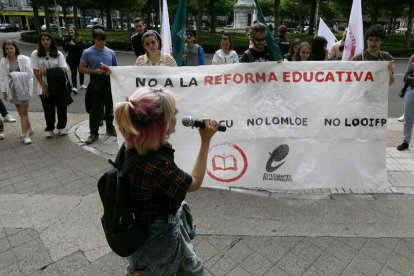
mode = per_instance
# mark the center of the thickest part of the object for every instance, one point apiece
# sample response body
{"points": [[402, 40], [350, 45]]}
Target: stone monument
{"points": [[243, 13]]}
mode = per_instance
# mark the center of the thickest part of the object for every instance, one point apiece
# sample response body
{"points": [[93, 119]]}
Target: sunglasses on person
{"points": [[260, 39], [189, 34]]}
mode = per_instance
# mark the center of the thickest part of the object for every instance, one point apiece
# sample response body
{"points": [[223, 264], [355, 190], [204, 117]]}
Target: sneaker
{"points": [[30, 132], [62, 132], [401, 119], [27, 140], [75, 90], [9, 119], [83, 86], [49, 134], [111, 132], [2, 136], [92, 138], [403, 146]]}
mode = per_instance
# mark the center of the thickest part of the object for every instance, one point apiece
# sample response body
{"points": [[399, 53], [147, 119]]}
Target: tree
{"points": [[408, 34], [66, 8], [35, 5], [276, 4]]}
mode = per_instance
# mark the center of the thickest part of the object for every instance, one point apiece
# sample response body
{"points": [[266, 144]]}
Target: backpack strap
{"points": [[125, 165]]}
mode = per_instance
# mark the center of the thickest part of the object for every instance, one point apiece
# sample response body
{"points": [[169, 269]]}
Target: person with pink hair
{"points": [[157, 185]]}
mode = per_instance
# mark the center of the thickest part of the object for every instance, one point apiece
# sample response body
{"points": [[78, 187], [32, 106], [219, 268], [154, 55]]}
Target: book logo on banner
{"points": [[275, 162], [227, 162]]}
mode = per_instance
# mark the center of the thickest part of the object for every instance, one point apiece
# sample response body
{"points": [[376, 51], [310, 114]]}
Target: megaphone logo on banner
{"points": [[276, 156]]}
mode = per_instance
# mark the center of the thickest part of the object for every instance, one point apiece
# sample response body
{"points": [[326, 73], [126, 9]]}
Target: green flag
{"points": [[273, 47], [178, 32]]}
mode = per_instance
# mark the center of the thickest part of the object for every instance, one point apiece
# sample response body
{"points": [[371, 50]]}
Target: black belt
{"points": [[99, 77]]}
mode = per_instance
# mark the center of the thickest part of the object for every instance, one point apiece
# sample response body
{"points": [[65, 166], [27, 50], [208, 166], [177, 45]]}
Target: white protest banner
{"points": [[290, 125]]}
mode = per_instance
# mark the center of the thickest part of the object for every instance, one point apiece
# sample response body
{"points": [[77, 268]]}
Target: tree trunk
{"points": [[199, 19], [408, 34], [75, 18], [83, 12], [213, 19], [375, 15], [277, 16], [65, 18], [108, 17], [47, 16], [129, 20], [35, 5], [312, 22]]}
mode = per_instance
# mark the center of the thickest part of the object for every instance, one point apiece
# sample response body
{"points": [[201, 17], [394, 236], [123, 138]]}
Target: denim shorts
{"points": [[161, 252]]}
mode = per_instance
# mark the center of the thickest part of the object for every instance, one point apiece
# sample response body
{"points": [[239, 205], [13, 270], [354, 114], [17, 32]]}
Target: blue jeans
{"points": [[3, 109], [408, 114], [168, 250], [160, 255]]}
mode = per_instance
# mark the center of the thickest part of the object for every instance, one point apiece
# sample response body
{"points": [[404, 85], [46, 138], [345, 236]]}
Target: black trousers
{"points": [[74, 67], [100, 99], [51, 106]]}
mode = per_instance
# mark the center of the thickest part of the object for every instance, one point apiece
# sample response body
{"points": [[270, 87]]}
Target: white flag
{"points": [[254, 18], [323, 30], [354, 42], [165, 30]]}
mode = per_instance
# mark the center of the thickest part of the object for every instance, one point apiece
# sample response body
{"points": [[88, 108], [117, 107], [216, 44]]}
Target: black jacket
{"points": [[59, 85], [74, 51]]}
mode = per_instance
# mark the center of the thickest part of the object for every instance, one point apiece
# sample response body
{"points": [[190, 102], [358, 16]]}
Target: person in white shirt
{"points": [[46, 57], [16, 83], [225, 55], [154, 57]]}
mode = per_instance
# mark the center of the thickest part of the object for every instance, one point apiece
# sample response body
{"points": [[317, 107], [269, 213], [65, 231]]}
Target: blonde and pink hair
{"points": [[144, 119]]}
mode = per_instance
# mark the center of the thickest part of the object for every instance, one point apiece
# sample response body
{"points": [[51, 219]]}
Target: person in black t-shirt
{"points": [[136, 39], [259, 52]]}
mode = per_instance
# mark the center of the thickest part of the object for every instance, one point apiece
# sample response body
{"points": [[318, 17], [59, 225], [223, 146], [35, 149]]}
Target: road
{"points": [[128, 58]]}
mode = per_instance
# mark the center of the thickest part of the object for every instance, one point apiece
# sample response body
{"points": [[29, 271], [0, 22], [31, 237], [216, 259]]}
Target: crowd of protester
{"points": [[29, 74]]}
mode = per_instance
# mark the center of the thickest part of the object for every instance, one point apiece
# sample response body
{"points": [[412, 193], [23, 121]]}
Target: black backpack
{"points": [[123, 233]]}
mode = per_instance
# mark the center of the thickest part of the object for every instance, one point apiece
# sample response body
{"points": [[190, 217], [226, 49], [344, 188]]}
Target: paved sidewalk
{"points": [[50, 211]]}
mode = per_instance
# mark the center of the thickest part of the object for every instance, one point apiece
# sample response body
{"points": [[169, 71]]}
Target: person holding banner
{"points": [[157, 186], [259, 52], [95, 61], [335, 53], [375, 36], [303, 52], [225, 55], [154, 57], [290, 56], [319, 48]]}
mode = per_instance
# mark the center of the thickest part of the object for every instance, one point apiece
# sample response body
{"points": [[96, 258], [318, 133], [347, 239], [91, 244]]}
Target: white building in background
{"points": [[243, 13]]}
